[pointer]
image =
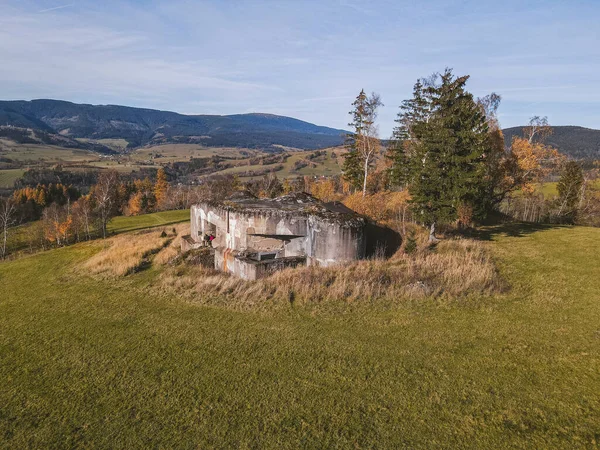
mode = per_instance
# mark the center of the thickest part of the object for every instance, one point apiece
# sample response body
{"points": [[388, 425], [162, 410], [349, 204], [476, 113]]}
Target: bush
{"points": [[411, 243]]}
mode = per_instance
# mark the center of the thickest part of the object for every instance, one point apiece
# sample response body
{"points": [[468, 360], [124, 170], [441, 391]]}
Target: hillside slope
{"points": [[576, 142], [142, 126], [96, 363]]}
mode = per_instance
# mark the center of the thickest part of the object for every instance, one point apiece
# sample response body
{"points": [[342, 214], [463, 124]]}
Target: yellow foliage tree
{"points": [[534, 161], [387, 208], [135, 204], [324, 190], [160, 188]]}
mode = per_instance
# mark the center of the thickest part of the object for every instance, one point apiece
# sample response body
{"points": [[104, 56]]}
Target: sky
{"points": [[306, 59]]}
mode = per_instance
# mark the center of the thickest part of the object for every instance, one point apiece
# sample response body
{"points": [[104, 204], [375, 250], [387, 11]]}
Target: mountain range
{"points": [[62, 123], [147, 126]]}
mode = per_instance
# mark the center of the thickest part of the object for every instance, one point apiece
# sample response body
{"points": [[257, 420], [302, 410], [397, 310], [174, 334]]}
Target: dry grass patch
{"points": [[455, 268], [126, 253], [170, 252]]}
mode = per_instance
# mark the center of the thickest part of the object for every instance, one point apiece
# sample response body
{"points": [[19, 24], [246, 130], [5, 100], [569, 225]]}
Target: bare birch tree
{"points": [[7, 219], [106, 195], [363, 144]]}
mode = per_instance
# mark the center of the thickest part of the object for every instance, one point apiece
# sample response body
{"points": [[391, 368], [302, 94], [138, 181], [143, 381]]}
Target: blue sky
{"points": [[306, 59]]}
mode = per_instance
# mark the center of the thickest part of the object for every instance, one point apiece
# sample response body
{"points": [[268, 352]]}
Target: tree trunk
{"points": [[432, 237], [365, 176], [4, 239]]}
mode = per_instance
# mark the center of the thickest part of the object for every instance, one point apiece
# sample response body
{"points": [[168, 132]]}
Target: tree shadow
{"points": [[381, 242], [512, 229]]}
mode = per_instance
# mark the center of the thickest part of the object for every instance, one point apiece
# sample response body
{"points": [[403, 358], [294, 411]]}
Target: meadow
{"points": [[108, 363], [329, 166], [41, 153], [166, 153], [9, 176], [21, 237]]}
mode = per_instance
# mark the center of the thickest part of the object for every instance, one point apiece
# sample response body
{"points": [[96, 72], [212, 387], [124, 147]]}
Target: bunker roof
{"points": [[296, 204]]}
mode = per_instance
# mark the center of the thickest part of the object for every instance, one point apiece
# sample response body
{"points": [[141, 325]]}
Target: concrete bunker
{"points": [[256, 237]]}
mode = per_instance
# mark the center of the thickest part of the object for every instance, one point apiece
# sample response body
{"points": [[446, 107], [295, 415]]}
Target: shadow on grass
{"points": [[515, 229]]}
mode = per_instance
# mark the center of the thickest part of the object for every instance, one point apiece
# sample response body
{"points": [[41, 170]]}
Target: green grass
{"points": [[44, 153], [9, 176], [130, 223], [183, 152], [116, 144], [549, 188], [19, 237], [328, 167], [97, 364]]}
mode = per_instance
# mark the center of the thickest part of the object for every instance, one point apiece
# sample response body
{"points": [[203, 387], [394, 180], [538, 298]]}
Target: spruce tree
{"points": [[413, 112], [569, 191], [446, 139]]}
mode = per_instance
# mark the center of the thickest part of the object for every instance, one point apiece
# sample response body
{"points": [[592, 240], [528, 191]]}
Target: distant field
{"points": [[550, 190], [43, 153], [116, 144], [156, 156], [166, 153], [329, 166], [92, 363], [323, 166], [123, 166], [9, 176]]}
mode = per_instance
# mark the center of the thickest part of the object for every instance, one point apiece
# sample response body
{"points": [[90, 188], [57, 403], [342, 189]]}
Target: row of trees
{"points": [[67, 216], [88, 216], [448, 152]]}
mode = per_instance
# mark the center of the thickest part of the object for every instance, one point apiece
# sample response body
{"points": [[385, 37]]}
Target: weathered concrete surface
{"points": [[290, 230], [188, 243]]}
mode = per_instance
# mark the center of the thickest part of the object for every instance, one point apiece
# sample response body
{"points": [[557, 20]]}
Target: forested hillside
{"points": [[576, 142], [142, 126]]}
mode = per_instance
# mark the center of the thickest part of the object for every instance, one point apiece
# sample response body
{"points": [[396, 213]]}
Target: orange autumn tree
{"points": [[325, 190], [135, 204], [57, 224], [533, 159], [386, 207], [161, 188]]}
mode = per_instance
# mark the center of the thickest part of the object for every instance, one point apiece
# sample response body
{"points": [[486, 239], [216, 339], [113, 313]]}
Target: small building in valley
{"points": [[254, 237]]}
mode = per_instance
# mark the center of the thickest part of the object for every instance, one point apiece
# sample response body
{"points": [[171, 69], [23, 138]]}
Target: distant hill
{"points": [[147, 126], [576, 142], [22, 135]]}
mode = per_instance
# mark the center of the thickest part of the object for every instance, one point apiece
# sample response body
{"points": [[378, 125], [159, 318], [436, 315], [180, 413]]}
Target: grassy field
{"points": [[549, 189], [161, 154], [19, 237], [157, 156], [44, 153], [115, 144], [130, 223], [331, 165], [9, 176], [105, 364]]}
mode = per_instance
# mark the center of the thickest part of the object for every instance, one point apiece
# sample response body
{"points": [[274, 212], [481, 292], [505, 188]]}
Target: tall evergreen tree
{"points": [[413, 111], [569, 191], [362, 144], [446, 140]]}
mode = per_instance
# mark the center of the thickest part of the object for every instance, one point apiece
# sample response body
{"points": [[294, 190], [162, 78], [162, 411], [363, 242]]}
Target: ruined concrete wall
{"points": [[230, 261], [266, 268], [322, 241], [334, 243], [187, 243]]}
